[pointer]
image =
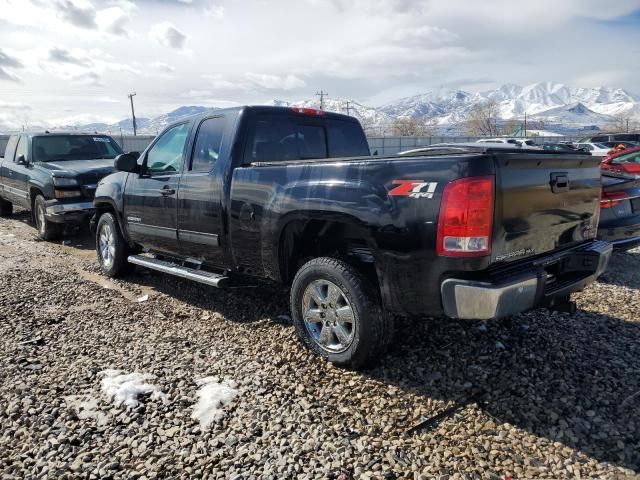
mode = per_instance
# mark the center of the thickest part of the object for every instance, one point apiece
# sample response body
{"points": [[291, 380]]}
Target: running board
{"points": [[201, 276]]}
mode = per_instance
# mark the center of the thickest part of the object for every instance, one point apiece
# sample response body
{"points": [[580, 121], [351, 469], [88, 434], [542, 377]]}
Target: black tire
{"points": [[371, 330], [6, 208], [113, 262], [46, 230]]}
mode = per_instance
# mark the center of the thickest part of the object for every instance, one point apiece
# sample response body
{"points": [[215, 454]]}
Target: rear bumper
{"points": [[535, 284], [73, 212]]}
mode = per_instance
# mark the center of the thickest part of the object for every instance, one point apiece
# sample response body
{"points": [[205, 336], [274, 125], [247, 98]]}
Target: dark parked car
{"points": [[54, 175], [291, 196], [620, 211], [612, 138], [564, 147]]}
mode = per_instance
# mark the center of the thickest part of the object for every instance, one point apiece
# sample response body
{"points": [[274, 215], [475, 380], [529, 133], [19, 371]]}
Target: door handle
{"points": [[166, 191]]}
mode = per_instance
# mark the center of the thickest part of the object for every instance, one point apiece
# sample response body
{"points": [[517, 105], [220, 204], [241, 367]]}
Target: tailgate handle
{"points": [[559, 182]]}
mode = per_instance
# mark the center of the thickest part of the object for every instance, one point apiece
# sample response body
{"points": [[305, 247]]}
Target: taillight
{"points": [[466, 218], [309, 111], [611, 199]]}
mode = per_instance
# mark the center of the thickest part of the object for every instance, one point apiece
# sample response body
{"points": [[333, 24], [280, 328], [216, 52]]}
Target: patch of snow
{"points": [[86, 407], [121, 387], [212, 397]]}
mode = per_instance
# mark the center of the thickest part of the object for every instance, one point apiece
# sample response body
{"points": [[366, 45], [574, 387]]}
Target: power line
{"points": [[322, 94], [133, 113]]}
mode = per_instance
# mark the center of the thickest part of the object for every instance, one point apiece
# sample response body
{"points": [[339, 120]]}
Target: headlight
{"points": [[64, 182], [68, 193]]}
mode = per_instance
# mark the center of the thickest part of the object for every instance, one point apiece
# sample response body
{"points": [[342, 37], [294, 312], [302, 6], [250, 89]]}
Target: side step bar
{"points": [[201, 276]]}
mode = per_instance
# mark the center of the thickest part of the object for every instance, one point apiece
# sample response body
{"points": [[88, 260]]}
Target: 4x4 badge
{"points": [[413, 189]]}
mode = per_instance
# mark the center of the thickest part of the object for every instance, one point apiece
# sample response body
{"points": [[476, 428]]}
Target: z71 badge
{"points": [[413, 189]]}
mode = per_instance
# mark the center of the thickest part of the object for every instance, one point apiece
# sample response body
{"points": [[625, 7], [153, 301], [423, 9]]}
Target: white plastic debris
{"points": [[121, 387], [212, 398], [143, 298]]}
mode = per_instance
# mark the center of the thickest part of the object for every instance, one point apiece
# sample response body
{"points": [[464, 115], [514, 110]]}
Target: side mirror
{"points": [[21, 160], [126, 162], [135, 154]]}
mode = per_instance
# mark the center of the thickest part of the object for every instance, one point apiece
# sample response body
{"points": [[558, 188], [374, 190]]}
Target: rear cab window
{"points": [[277, 137]]}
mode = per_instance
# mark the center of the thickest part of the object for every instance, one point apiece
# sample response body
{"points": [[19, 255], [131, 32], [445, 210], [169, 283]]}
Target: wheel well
{"points": [[302, 240]]}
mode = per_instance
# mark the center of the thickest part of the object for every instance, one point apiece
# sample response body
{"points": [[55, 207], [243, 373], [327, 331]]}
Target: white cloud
{"points": [[165, 33], [80, 13], [275, 82], [116, 19], [215, 11], [162, 67]]}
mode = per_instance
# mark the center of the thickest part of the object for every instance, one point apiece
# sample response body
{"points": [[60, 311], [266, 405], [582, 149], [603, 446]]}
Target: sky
{"points": [[75, 61]]}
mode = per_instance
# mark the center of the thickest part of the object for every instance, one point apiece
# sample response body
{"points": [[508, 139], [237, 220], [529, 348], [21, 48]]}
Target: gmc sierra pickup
{"points": [[54, 175], [292, 196]]}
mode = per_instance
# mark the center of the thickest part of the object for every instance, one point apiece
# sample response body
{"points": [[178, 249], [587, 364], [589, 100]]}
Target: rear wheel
{"points": [[337, 314], [46, 229], [6, 208], [111, 247]]}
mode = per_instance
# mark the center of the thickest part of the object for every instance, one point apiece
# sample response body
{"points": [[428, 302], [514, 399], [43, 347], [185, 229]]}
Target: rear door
{"points": [[6, 167], [16, 174], [200, 194], [150, 203], [544, 201]]}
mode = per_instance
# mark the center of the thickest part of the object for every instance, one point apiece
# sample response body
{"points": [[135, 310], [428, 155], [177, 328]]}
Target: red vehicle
{"points": [[625, 162]]}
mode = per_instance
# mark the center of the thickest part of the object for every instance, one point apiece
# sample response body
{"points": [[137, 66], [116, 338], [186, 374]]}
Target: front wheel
{"points": [[337, 314], [46, 229], [111, 247]]}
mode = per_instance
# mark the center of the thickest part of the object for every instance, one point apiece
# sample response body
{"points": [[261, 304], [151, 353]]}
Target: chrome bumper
{"points": [[477, 300], [64, 208]]}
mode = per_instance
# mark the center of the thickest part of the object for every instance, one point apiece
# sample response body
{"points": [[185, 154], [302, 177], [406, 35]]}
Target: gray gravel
{"points": [[545, 395]]}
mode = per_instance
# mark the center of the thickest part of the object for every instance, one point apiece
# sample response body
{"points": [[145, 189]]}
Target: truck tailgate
{"points": [[544, 201]]}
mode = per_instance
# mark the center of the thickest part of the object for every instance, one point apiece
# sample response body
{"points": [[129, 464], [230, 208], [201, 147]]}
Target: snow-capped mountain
{"points": [[547, 101], [368, 116], [573, 115], [453, 106]]}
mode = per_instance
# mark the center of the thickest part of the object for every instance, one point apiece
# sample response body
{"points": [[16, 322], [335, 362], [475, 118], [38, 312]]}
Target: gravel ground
{"points": [[545, 395]]}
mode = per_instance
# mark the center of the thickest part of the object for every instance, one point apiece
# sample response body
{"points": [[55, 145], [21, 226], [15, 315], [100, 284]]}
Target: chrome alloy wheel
{"points": [[328, 316], [40, 218], [106, 245]]}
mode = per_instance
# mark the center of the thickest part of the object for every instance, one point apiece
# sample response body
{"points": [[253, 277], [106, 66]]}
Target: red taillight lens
{"points": [[611, 199], [466, 218], [309, 111]]}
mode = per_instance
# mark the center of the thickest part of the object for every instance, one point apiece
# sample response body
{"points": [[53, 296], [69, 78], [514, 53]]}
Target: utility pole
{"points": [[133, 113], [348, 112], [322, 94], [525, 124], [627, 125]]}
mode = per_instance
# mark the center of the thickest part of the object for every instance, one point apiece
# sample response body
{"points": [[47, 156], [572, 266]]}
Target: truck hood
{"points": [[86, 171]]}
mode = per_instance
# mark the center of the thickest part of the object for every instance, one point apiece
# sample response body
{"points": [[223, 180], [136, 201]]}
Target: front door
{"points": [[200, 196], [150, 203]]}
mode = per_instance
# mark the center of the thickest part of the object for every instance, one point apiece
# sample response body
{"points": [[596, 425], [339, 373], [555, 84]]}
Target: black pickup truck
{"points": [[54, 175], [292, 196]]}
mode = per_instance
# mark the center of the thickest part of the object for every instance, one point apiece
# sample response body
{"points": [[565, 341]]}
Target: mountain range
{"points": [[553, 103]]}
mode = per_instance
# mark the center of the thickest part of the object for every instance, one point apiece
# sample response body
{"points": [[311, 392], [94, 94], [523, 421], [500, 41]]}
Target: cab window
{"points": [[166, 154], [23, 148], [207, 147]]}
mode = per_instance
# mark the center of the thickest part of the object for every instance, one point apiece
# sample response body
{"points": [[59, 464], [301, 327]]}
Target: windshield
{"points": [[74, 147], [600, 145]]}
